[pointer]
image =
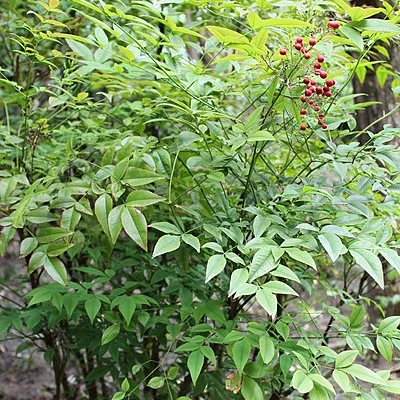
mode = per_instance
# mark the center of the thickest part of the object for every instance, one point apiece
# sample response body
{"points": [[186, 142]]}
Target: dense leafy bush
{"points": [[192, 226]]}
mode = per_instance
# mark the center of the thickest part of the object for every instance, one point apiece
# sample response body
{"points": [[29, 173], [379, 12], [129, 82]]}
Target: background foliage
{"points": [[186, 231]]}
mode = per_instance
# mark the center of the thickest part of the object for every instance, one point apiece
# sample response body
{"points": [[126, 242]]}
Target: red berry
{"points": [[303, 99], [306, 81], [313, 82], [320, 122], [320, 58], [330, 82], [303, 111], [334, 24], [323, 74], [312, 42], [308, 92], [327, 94], [283, 52], [307, 56], [317, 65], [317, 71], [303, 127], [321, 115], [299, 39], [319, 90], [316, 108], [310, 102], [324, 126], [326, 89], [298, 46]]}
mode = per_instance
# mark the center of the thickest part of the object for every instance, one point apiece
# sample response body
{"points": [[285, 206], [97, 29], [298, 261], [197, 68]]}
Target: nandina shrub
{"points": [[195, 215]]}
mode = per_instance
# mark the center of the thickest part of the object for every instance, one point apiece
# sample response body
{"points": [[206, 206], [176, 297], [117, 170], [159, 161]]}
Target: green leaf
{"points": [[279, 288], [191, 241], [238, 278], [27, 246], [142, 198], [195, 364], [267, 301], [392, 257], [80, 49], [208, 352], [357, 317], [385, 348], [321, 380], [240, 354], [156, 382], [251, 390], [135, 225], [92, 307], [389, 324], [118, 395], [57, 248], [342, 379], [363, 373], [267, 349], [262, 263], [301, 382], [278, 23], [102, 208], [345, 358], [166, 244], [47, 235], [56, 269], [70, 301], [215, 266], [260, 136], [227, 36], [332, 244], [354, 36], [318, 393], [139, 177], [114, 223], [166, 227], [127, 308], [370, 263], [302, 256], [110, 334], [375, 25]]}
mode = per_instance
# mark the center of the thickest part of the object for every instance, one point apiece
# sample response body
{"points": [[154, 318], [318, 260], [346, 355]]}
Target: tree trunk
{"points": [[372, 89]]}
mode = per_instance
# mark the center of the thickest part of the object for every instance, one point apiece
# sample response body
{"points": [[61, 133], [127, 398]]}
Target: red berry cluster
{"points": [[314, 90]]}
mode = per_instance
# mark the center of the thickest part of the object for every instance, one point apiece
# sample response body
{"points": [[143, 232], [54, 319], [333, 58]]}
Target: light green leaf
{"points": [[92, 307], [302, 256], [332, 244], [240, 354], [260, 136], [251, 390], [102, 208], [142, 198], [56, 269], [110, 334], [156, 382], [208, 352], [165, 227], [301, 382], [262, 263], [135, 225], [279, 288], [342, 379], [114, 223], [215, 266], [392, 257], [191, 241], [50, 234], [363, 373], [370, 263], [195, 364], [345, 358], [27, 246], [166, 244], [227, 36], [267, 301], [267, 349], [238, 277], [385, 348], [389, 324], [321, 380], [139, 177]]}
